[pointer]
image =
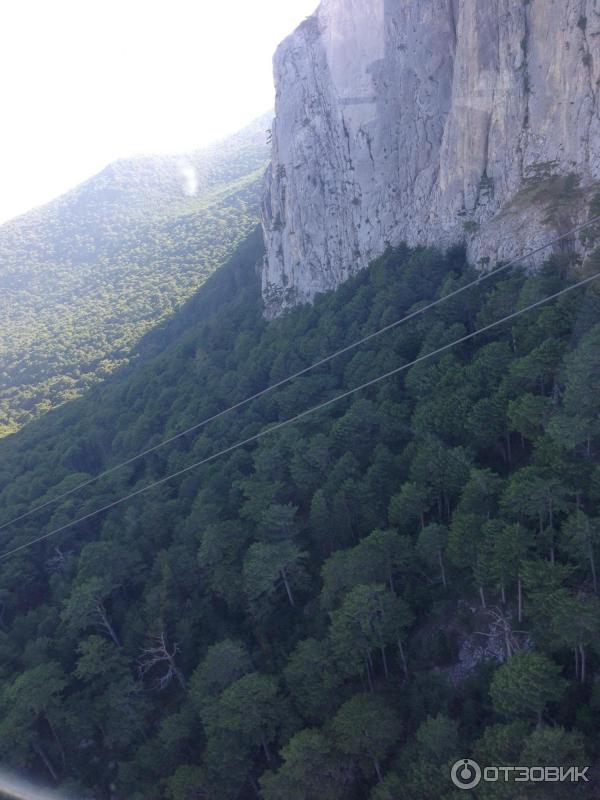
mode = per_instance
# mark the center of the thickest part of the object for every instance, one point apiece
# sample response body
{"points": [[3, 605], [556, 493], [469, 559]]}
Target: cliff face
{"points": [[430, 122]]}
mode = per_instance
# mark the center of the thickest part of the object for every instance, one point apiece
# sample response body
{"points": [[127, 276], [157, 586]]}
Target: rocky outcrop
{"points": [[430, 122]]}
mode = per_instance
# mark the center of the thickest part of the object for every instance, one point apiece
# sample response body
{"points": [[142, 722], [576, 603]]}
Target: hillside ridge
{"points": [[84, 277]]}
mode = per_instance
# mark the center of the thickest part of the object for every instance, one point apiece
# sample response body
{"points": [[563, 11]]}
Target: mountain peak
{"points": [[427, 122]]}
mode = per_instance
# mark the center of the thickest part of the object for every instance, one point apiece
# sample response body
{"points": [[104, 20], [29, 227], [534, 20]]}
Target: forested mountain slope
{"points": [[341, 610], [83, 278]]}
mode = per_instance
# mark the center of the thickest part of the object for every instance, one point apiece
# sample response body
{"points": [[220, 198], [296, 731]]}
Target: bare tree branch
{"points": [[501, 629], [159, 656]]}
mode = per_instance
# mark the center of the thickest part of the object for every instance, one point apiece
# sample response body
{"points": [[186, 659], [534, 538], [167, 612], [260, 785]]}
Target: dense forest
{"points": [[342, 609], [83, 278]]}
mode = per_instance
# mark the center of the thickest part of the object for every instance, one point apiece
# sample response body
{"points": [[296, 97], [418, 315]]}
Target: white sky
{"points": [[87, 81]]}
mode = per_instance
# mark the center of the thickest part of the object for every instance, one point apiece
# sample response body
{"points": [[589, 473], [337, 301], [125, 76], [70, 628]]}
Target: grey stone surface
{"points": [[430, 122]]}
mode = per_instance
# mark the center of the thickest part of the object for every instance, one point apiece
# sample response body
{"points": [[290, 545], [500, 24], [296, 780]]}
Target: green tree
{"points": [[510, 549], [312, 769], [381, 557], [409, 506], [430, 547], [526, 685], [444, 470], [370, 619], [86, 607], [223, 664], [487, 423], [29, 704], [312, 678], [426, 761], [464, 539], [340, 572], [558, 747], [99, 660], [575, 623], [390, 788], [278, 522], [310, 463], [582, 540], [366, 727], [530, 415], [384, 556], [320, 521], [483, 568], [501, 746], [481, 493], [251, 708], [577, 423], [187, 783], [267, 567], [220, 558], [534, 497], [542, 580]]}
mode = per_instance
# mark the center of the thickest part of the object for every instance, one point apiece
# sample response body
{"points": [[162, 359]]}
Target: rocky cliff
{"points": [[430, 122]]}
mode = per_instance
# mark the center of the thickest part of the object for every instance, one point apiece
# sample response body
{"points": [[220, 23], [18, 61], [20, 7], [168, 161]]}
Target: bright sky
{"points": [[88, 81]]}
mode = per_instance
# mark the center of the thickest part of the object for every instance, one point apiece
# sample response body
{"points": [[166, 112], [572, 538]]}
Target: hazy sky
{"points": [[87, 81]]}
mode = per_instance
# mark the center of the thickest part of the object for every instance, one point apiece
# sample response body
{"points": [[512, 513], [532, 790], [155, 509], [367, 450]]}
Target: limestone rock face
{"points": [[431, 122]]}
